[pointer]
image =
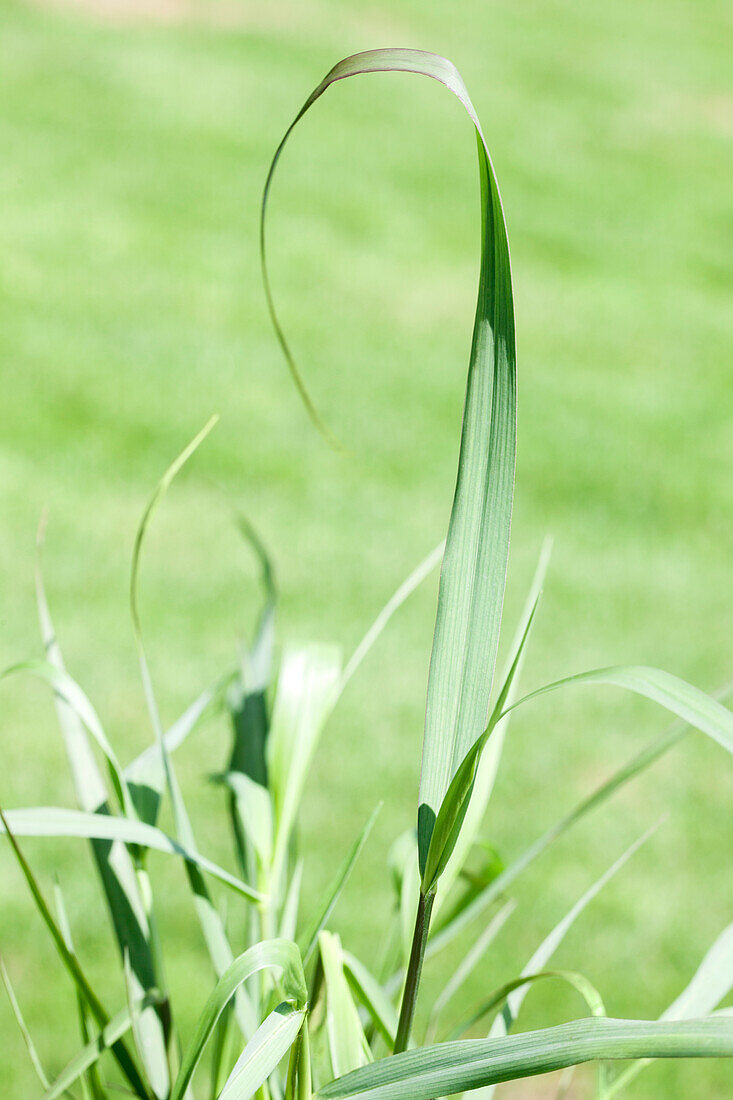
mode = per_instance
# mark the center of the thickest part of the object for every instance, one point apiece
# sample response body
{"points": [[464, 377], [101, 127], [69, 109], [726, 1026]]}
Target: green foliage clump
{"points": [[293, 1013]]}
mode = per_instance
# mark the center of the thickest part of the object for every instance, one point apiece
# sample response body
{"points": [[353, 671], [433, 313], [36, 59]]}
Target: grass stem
{"points": [[414, 970]]}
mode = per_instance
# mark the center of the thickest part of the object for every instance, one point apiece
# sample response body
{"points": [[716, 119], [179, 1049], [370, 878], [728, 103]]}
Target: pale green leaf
{"points": [[306, 692], [253, 807], [418, 575], [263, 1052], [488, 762], [282, 955], [472, 1063], [347, 1045], [212, 926]]}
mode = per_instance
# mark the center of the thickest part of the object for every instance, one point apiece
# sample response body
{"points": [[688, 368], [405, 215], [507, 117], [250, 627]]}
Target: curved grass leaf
{"points": [[283, 955], [689, 703], [468, 964], [221, 1054], [48, 821], [474, 565], [579, 983], [472, 1063], [505, 1020], [306, 692], [89, 786], [263, 1052], [551, 942], [151, 507]]}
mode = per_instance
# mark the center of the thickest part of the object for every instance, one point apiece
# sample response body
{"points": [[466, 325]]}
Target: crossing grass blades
{"points": [[292, 1013]]}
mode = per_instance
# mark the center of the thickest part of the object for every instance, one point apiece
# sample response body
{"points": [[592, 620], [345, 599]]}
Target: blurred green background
{"points": [[134, 139]]}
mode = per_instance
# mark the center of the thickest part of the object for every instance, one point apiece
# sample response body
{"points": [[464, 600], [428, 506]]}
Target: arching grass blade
{"points": [[472, 1063], [48, 821]]}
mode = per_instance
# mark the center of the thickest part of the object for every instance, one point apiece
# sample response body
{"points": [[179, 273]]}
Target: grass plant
{"points": [[293, 1013]]}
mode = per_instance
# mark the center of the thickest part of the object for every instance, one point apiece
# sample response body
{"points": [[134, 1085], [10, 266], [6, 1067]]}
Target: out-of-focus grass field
{"points": [[132, 156]]}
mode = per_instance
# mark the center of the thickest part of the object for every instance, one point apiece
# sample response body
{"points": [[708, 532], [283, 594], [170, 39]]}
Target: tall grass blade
{"points": [[152, 1056], [145, 775], [113, 861], [248, 698], [89, 786], [408, 586], [474, 565], [69, 691]]}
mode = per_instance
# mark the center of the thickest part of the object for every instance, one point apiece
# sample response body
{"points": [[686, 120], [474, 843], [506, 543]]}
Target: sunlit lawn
{"points": [[132, 157]]}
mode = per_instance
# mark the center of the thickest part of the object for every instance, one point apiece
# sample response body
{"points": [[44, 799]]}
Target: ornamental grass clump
{"points": [[292, 1012]]}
